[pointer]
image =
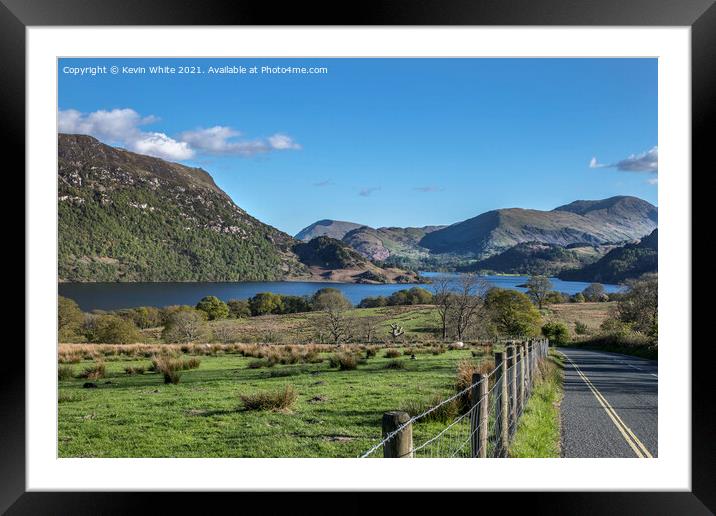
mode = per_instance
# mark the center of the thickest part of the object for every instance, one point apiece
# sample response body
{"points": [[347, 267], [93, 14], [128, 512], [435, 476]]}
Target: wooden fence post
{"points": [[512, 379], [521, 379], [528, 371], [480, 415], [502, 408], [401, 445]]}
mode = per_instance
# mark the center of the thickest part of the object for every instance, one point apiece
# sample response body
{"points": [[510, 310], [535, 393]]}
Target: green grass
{"points": [[538, 430], [337, 413]]}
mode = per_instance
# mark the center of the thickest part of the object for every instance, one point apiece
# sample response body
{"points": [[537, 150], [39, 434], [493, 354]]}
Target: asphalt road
{"points": [[609, 407]]}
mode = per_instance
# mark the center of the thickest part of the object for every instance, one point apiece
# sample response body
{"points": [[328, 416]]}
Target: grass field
{"points": [[590, 314], [337, 413]]}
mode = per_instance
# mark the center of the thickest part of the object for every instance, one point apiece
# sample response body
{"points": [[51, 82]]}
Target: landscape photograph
{"points": [[357, 258]]}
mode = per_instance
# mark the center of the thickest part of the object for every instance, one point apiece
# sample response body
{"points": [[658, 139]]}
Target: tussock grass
{"points": [[344, 361], [395, 364], [444, 414], [94, 372], [391, 353], [538, 430], [130, 370], [281, 400], [65, 372]]}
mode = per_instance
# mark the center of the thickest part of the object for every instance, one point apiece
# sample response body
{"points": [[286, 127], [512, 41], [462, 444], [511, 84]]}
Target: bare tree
{"points": [[367, 327], [467, 303], [444, 300], [538, 288], [334, 321], [185, 326]]}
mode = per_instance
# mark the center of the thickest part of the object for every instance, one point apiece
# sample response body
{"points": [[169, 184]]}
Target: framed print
{"points": [[265, 248]]}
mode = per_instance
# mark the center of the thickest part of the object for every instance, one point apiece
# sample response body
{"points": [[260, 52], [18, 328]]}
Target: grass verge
{"points": [[538, 431], [612, 345]]}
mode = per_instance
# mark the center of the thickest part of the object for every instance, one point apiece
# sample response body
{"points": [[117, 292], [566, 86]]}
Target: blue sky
{"points": [[384, 142]]}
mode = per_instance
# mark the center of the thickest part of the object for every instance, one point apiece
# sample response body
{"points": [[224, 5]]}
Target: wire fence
{"points": [[490, 411]]}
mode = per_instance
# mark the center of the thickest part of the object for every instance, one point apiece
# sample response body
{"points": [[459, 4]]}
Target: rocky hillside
{"points": [[621, 263], [612, 220], [128, 217]]}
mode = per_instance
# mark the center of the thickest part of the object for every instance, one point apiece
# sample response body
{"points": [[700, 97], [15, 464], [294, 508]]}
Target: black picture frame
{"points": [[700, 15]]}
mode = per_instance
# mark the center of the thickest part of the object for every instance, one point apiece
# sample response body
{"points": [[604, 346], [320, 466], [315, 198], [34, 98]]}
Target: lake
{"points": [[112, 296]]}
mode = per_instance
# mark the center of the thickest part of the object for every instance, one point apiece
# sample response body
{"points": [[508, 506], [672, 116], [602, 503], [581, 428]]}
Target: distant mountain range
{"points": [[510, 240], [128, 217]]}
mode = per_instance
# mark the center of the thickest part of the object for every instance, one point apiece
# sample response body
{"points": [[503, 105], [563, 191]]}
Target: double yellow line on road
{"points": [[632, 440]]}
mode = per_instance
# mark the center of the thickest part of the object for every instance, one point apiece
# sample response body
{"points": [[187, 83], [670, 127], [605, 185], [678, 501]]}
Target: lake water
{"points": [[111, 296]]}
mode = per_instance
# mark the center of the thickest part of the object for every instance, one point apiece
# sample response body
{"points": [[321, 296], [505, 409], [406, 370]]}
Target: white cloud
{"points": [[221, 140], [428, 189], [647, 161], [162, 146], [122, 127], [282, 142], [653, 180]]}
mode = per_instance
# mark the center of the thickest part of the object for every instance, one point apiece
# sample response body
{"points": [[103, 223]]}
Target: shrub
{"points": [[556, 332], [391, 353], [65, 372], [270, 400], [580, 328], [395, 364]]}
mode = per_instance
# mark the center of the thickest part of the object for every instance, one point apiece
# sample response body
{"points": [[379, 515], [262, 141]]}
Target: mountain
{"points": [[128, 217], [536, 258], [375, 244], [331, 259], [612, 220], [622, 263], [326, 227]]}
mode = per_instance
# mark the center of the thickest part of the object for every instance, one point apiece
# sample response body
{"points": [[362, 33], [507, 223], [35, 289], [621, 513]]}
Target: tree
{"points": [[185, 326], [238, 308], [69, 319], [334, 321], [330, 298], [578, 298], [373, 302], [468, 301], [595, 292], [111, 329], [443, 299], [512, 313], [639, 305], [556, 332], [367, 327], [295, 304], [265, 303], [538, 288], [214, 308]]}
